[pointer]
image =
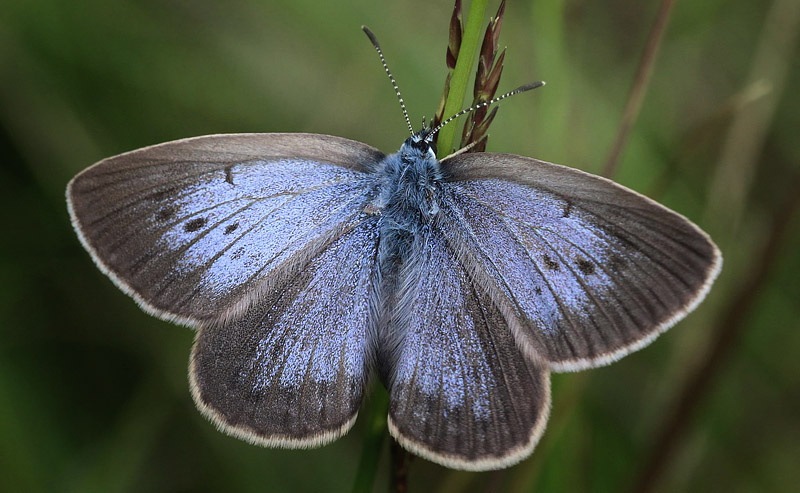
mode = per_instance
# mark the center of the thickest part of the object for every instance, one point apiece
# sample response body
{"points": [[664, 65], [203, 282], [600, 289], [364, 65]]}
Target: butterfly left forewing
{"points": [[584, 269], [461, 393]]}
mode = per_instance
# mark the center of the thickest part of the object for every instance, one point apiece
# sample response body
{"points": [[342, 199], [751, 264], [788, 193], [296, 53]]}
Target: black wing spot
{"points": [[567, 209], [229, 174], [165, 214], [616, 264], [550, 263], [238, 253], [585, 266], [195, 224], [160, 195], [537, 290], [231, 228]]}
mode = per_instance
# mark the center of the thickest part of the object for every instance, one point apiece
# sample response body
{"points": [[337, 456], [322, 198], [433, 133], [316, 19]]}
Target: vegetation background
{"points": [[93, 392]]}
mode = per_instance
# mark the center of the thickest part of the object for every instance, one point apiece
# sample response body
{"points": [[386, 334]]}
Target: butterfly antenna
{"points": [[526, 87], [374, 41]]}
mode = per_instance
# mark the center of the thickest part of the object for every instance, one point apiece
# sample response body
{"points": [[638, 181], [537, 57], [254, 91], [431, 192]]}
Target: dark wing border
{"points": [[512, 456]]}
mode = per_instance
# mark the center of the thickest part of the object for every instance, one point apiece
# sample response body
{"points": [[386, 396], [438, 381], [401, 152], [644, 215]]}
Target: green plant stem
{"points": [[461, 74], [373, 442]]}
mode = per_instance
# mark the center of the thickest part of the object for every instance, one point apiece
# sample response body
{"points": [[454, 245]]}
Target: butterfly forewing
{"points": [[585, 269], [290, 371], [461, 392], [189, 227]]}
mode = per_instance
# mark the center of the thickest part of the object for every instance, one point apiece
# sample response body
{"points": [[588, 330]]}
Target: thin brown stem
{"points": [[639, 86], [399, 476], [770, 71], [727, 335]]}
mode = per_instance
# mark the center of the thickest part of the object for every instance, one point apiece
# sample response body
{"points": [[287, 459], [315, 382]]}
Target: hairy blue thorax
{"points": [[407, 185]]}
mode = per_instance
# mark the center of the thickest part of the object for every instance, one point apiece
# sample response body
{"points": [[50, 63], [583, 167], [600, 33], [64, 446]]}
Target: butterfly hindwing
{"points": [[461, 393], [188, 226], [586, 269], [290, 371]]}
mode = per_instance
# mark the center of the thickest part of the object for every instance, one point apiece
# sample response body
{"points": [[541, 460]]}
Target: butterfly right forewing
{"points": [[189, 227]]}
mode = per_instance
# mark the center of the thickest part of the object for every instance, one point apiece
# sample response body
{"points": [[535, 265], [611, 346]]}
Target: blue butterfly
{"points": [[308, 263]]}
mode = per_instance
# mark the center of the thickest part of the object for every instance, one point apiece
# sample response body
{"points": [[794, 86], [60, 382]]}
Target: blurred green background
{"points": [[93, 392]]}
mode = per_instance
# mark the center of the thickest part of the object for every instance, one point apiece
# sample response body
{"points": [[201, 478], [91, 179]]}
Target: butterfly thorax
{"points": [[408, 182]]}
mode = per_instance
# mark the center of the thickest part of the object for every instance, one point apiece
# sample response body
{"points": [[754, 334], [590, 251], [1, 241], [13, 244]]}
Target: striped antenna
{"points": [[374, 41], [526, 87]]}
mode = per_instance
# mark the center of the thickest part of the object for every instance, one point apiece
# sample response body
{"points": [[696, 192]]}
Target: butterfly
{"points": [[307, 263]]}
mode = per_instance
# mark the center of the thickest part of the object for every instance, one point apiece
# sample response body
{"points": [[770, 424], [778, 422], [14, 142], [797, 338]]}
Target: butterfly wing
{"points": [[461, 393], [260, 241], [585, 270], [290, 371], [189, 227]]}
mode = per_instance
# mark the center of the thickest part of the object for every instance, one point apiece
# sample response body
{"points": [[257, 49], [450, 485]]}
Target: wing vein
{"points": [[486, 256], [170, 279], [665, 267], [188, 296], [552, 290], [503, 367], [585, 287], [599, 264]]}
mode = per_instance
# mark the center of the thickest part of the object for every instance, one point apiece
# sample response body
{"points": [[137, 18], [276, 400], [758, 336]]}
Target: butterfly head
{"points": [[417, 155], [421, 142]]}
